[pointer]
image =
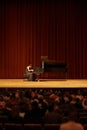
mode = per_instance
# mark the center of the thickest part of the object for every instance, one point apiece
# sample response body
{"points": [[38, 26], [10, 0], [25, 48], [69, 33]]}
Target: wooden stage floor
{"points": [[44, 83]]}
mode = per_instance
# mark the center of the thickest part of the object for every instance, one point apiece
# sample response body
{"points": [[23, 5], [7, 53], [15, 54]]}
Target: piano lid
{"points": [[53, 65]]}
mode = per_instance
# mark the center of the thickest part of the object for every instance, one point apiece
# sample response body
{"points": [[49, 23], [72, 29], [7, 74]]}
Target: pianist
{"points": [[29, 72], [29, 68]]}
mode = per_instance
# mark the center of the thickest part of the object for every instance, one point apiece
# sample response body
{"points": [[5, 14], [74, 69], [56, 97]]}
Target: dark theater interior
{"points": [[43, 65]]}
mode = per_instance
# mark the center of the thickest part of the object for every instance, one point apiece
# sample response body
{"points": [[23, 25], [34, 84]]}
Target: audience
{"points": [[72, 123], [42, 105]]}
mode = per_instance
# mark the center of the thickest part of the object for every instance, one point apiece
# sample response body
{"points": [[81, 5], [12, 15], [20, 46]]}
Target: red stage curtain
{"points": [[30, 29]]}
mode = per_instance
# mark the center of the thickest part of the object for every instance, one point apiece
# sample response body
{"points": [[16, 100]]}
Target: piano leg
{"points": [[66, 75]]}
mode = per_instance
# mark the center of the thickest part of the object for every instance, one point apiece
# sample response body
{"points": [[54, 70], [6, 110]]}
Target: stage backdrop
{"points": [[30, 29]]}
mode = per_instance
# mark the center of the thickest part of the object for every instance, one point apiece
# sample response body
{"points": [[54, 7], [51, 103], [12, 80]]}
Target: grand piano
{"points": [[53, 66]]}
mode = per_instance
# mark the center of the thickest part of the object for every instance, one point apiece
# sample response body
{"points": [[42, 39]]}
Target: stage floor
{"points": [[43, 83]]}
